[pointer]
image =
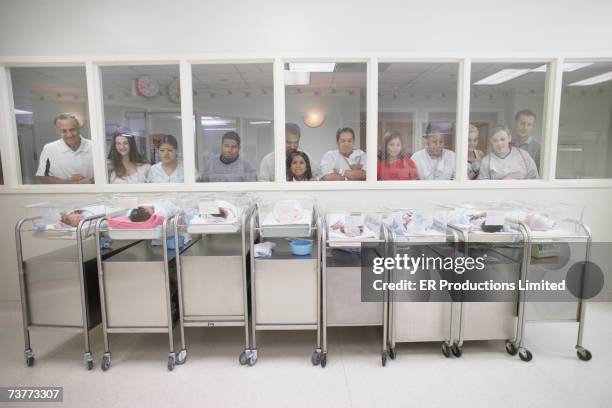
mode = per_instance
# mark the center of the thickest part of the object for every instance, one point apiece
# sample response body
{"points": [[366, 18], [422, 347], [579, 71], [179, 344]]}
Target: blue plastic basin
{"points": [[301, 246]]}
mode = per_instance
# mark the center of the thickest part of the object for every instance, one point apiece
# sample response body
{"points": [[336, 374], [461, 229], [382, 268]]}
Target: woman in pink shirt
{"points": [[393, 162]]}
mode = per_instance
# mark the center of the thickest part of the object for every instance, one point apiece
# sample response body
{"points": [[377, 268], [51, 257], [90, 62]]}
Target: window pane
{"points": [[585, 125], [233, 109], [416, 119], [506, 109], [142, 118], [326, 104], [50, 150]]}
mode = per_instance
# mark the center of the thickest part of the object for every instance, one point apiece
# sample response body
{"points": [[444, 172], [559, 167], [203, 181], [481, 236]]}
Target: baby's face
{"points": [[72, 219], [150, 210]]}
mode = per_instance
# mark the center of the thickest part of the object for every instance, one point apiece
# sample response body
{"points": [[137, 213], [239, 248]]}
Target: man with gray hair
{"points": [[67, 160]]}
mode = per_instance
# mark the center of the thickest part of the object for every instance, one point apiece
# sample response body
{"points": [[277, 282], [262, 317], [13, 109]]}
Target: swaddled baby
{"points": [[537, 221], [472, 218], [287, 211], [411, 221], [72, 218], [351, 226]]}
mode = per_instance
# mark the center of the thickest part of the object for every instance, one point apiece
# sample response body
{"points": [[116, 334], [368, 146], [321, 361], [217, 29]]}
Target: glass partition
{"points": [[584, 148], [506, 116], [142, 118], [234, 110], [51, 113], [325, 111], [417, 109]]}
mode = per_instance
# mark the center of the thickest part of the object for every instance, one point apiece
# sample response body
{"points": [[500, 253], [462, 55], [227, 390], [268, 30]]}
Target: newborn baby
{"points": [[73, 218], [350, 226], [144, 212], [141, 214]]}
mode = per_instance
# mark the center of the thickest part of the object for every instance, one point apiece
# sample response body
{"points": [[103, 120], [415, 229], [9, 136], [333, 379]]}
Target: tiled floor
{"points": [[420, 376]]}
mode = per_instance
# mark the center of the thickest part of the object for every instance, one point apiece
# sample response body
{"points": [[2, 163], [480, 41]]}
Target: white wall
{"points": [[71, 27], [40, 27]]}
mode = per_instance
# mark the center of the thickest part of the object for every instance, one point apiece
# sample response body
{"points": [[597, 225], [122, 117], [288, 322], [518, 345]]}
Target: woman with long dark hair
{"points": [[126, 164], [393, 162]]}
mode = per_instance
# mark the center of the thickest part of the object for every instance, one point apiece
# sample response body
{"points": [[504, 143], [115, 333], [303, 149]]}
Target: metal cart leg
{"points": [[388, 305], [582, 353], [171, 354], [25, 313], [457, 346], [385, 305], [249, 355], [448, 343], [106, 357], [517, 346], [182, 355], [317, 356], [88, 356]]}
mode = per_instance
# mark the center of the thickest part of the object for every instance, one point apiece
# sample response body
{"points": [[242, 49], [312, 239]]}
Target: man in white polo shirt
{"points": [[67, 160]]}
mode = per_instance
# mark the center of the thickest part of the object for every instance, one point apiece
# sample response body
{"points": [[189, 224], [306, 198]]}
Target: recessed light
{"points": [[594, 80], [312, 66], [502, 76]]}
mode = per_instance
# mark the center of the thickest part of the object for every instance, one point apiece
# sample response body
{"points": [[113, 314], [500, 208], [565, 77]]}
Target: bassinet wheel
{"points": [[384, 358], [252, 360], [171, 362], [584, 354], [106, 362], [242, 358], [29, 357], [525, 355], [315, 359], [323, 360], [511, 348], [457, 350], [181, 357], [445, 349], [392, 353]]}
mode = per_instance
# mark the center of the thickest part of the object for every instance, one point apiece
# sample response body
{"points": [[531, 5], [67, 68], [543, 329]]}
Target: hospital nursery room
{"points": [[326, 204]]}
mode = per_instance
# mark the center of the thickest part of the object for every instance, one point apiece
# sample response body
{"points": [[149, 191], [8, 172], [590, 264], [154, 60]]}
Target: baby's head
{"points": [[141, 214], [72, 218]]}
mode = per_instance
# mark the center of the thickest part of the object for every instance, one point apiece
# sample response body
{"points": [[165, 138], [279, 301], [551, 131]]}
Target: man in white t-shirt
{"points": [[434, 162], [346, 163], [292, 144], [67, 160]]}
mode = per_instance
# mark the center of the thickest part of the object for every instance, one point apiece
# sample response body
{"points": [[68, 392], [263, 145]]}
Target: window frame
{"points": [[92, 64]]}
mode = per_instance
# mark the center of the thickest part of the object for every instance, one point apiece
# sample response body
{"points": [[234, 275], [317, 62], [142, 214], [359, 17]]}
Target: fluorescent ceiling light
{"points": [[22, 112], [215, 121], [567, 66], [312, 66], [297, 78], [260, 122], [594, 80], [502, 76]]}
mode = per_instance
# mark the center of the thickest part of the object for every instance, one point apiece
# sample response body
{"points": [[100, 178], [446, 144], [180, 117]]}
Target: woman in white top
{"points": [[126, 165], [345, 163], [169, 169], [506, 162], [474, 155], [435, 162]]}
